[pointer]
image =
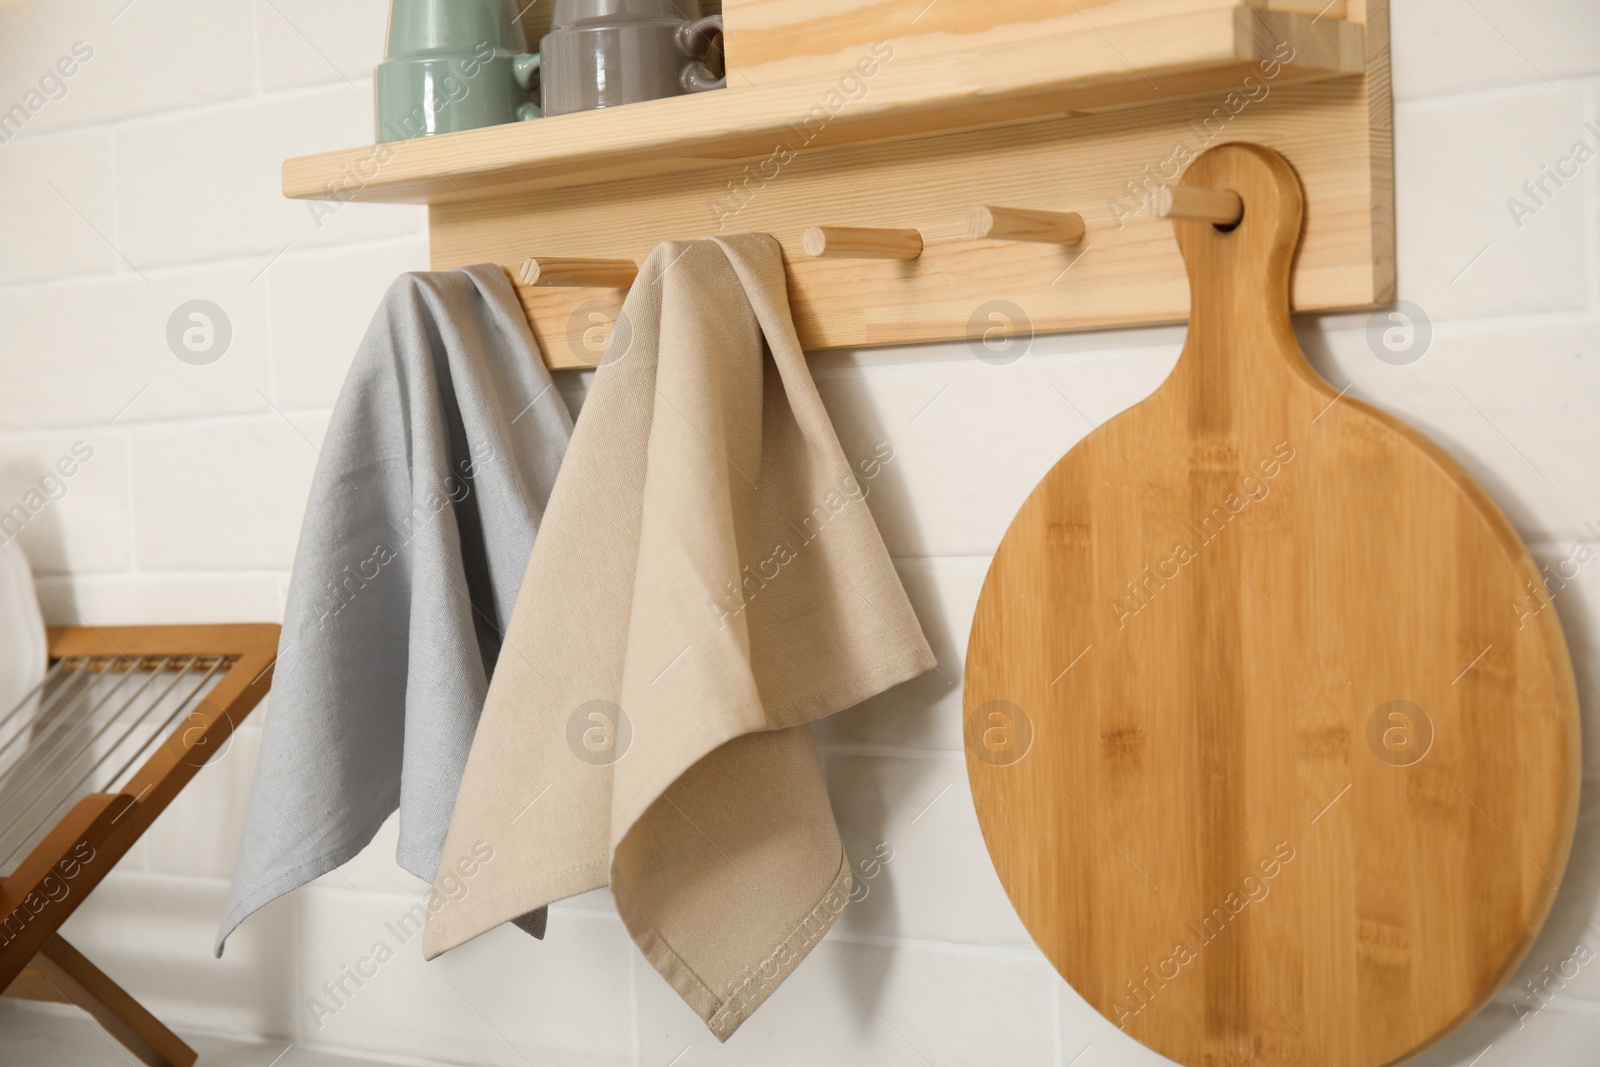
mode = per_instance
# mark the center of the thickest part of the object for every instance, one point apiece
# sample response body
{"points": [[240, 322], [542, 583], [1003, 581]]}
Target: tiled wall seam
{"points": [[253, 259], [210, 108]]}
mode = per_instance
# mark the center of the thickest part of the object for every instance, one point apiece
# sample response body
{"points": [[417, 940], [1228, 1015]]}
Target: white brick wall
{"points": [[154, 180]]}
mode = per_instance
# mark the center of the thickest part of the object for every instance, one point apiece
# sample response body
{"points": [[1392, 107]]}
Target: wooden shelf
{"points": [[1148, 54], [1009, 103]]}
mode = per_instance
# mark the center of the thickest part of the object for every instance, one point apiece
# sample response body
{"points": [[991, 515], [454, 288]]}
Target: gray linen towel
{"points": [[434, 476]]}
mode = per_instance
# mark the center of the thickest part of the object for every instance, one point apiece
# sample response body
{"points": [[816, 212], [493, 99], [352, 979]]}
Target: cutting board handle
{"points": [[1240, 335]]}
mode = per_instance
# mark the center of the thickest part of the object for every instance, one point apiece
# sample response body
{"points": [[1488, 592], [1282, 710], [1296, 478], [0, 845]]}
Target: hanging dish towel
{"points": [[708, 580], [435, 471]]}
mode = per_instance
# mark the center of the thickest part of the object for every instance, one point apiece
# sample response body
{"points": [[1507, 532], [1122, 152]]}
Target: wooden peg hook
{"points": [[557, 272], [851, 242], [1024, 224], [1221, 207]]}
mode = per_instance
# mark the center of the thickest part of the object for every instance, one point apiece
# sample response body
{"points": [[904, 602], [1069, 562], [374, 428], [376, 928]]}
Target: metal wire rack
{"points": [[83, 730]]}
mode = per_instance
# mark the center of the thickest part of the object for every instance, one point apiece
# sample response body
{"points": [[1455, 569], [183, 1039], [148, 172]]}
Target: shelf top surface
{"points": [[1164, 54]]}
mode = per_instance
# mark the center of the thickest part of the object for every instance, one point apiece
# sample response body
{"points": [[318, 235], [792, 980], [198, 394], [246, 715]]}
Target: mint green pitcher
{"points": [[453, 65]]}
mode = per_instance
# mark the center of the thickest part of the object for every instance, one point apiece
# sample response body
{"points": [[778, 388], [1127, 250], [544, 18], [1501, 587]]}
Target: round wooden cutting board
{"points": [[1270, 723]]}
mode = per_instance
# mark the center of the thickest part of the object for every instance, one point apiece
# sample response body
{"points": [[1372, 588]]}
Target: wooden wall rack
{"points": [[903, 117]]}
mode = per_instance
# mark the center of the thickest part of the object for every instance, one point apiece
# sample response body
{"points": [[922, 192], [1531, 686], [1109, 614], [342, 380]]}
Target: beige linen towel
{"points": [[706, 562]]}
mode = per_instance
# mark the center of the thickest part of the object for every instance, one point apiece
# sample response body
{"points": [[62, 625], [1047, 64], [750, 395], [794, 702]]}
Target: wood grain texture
{"points": [[859, 242], [558, 273], [1183, 737], [1221, 207], [995, 223], [1125, 271], [956, 113], [871, 95], [774, 40], [69, 975]]}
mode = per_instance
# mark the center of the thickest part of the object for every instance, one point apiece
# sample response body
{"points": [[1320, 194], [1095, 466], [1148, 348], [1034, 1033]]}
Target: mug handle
{"points": [[525, 69], [694, 40]]}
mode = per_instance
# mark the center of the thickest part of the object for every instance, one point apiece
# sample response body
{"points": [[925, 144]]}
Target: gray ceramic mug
{"points": [[602, 53]]}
